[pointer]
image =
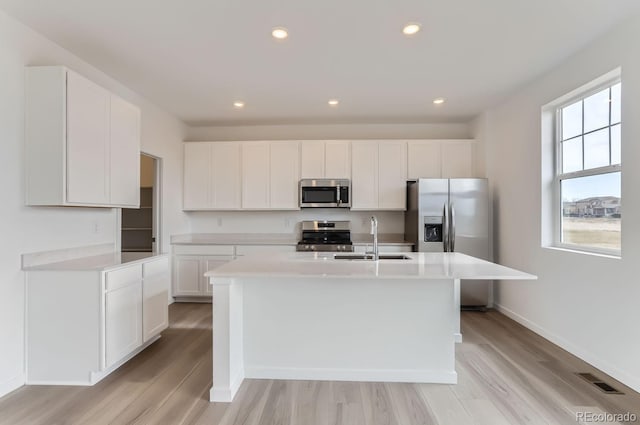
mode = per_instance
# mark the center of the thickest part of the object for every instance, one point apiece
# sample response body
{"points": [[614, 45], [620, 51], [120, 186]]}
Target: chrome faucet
{"points": [[374, 232]]}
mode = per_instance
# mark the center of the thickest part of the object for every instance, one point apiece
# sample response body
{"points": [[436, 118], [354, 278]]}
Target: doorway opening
{"points": [[139, 227]]}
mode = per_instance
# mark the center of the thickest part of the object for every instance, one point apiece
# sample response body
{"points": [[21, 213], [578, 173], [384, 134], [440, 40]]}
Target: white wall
{"points": [[31, 229], [288, 222], [589, 305]]}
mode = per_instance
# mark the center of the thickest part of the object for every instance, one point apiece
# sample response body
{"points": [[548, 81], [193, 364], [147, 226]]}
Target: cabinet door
{"points": [[284, 172], [87, 141], [337, 159], [364, 175], [311, 159], [207, 264], [123, 322], [392, 175], [197, 177], [255, 175], [424, 159], [155, 295], [457, 158], [186, 278], [124, 175], [226, 175]]}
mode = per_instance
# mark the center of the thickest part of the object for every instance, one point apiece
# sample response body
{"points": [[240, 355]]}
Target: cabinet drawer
{"points": [[253, 249], [203, 249], [122, 277], [155, 267]]}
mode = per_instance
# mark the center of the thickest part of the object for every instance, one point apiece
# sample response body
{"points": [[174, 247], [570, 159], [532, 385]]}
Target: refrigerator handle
{"points": [[445, 228], [452, 232]]}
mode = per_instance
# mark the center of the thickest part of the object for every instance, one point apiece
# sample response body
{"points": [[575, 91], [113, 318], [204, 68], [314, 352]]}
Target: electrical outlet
{"points": [[287, 222], [219, 221], [96, 227]]}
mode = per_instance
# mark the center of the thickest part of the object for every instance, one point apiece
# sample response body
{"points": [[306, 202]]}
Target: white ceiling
{"points": [[195, 57]]}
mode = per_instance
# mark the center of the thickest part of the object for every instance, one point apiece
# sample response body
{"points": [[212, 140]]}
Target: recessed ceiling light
{"points": [[238, 105], [280, 33], [438, 101], [333, 102], [411, 28]]}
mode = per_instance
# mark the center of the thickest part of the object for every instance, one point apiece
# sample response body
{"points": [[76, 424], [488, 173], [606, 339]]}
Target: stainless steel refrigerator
{"points": [[451, 215]]}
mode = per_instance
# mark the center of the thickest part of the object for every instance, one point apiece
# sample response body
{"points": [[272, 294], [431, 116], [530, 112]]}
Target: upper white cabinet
{"points": [[255, 175], [82, 142], [241, 175], [457, 158], [212, 175], [325, 159], [440, 159], [379, 175], [284, 174]]}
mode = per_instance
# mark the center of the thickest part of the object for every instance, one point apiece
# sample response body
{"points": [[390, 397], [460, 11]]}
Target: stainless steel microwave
{"points": [[325, 193]]}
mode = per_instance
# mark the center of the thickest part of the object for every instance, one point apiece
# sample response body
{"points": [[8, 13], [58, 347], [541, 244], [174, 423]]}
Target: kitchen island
{"points": [[315, 317]]}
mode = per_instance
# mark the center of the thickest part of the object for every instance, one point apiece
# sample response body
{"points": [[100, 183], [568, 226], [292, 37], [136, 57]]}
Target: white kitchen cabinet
{"points": [[284, 173], [186, 281], [440, 159], [458, 158], [312, 159], [379, 175], [82, 142], [191, 262], [392, 175], [197, 176], [124, 153], [255, 175], [337, 159], [212, 176], [424, 159], [156, 281], [226, 175], [364, 171], [325, 159], [123, 321], [84, 322]]}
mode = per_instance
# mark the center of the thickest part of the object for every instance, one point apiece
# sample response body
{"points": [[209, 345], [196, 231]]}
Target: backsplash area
{"points": [[289, 221]]}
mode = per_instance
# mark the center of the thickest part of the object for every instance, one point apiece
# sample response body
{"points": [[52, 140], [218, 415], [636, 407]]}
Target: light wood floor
{"points": [[507, 375]]}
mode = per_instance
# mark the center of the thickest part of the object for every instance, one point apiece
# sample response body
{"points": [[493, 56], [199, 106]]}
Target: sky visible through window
{"points": [[586, 187]]}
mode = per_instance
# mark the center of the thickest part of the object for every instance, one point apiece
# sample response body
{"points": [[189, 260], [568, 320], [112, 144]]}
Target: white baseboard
{"points": [[361, 375], [611, 370], [226, 394], [11, 384], [457, 337]]}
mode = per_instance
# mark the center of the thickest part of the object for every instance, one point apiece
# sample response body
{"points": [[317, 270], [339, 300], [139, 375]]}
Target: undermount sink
{"points": [[370, 257]]}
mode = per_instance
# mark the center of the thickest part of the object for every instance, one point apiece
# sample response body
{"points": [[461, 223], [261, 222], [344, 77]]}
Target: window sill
{"points": [[584, 252]]}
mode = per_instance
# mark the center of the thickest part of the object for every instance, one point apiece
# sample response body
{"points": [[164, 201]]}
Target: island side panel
{"points": [[228, 371], [313, 328]]}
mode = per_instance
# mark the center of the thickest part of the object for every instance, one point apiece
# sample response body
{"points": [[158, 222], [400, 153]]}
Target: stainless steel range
{"points": [[322, 235]]}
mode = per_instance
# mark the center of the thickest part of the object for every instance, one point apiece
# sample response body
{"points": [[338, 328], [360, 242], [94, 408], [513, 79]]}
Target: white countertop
{"points": [[323, 265], [102, 262]]}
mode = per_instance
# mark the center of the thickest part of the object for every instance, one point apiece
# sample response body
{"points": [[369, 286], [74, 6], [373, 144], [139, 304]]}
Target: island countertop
{"points": [[421, 265]]}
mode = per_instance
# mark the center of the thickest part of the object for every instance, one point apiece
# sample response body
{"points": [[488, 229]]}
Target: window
{"points": [[588, 170]]}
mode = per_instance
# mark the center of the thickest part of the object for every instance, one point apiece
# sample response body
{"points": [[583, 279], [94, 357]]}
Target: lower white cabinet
{"points": [[81, 324], [191, 262], [123, 322], [156, 281]]}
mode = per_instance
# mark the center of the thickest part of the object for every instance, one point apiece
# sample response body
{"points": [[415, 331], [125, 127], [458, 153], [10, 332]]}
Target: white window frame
{"points": [[558, 175]]}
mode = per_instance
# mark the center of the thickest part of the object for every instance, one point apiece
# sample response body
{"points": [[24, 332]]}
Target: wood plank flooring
{"points": [[507, 375]]}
